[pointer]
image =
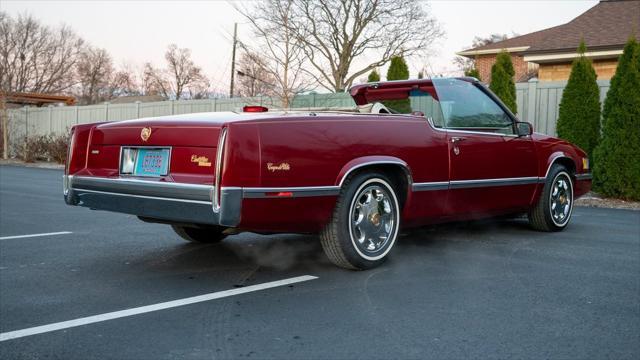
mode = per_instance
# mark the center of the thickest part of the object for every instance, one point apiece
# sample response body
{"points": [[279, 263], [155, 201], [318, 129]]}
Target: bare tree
{"points": [[181, 70], [36, 58], [95, 75], [280, 46], [493, 38], [465, 64], [335, 34], [155, 82], [125, 82], [254, 78]]}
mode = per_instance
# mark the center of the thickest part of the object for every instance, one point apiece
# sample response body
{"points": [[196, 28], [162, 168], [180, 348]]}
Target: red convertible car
{"points": [[410, 153]]}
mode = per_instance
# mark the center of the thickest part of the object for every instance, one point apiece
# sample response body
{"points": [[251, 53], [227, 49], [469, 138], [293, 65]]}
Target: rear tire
{"points": [[201, 234], [364, 225], [553, 210]]}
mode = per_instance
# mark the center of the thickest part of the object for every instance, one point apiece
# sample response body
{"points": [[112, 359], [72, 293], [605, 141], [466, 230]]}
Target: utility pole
{"points": [[233, 58]]}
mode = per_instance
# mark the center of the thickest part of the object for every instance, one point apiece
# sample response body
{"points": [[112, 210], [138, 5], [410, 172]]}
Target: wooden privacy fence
{"points": [[538, 103]]}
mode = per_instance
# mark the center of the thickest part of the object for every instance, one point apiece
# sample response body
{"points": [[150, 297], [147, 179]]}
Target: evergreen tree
{"points": [[579, 116], [617, 158], [473, 73], [373, 76], [502, 84], [398, 70]]}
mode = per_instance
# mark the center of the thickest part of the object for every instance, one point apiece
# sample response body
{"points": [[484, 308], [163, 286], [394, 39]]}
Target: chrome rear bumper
{"points": [[169, 201]]}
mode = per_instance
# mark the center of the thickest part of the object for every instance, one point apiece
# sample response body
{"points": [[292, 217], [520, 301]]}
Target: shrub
{"points": [[373, 76], [57, 149], [579, 116], [502, 84], [45, 148], [617, 157], [398, 70], [35, 148]]}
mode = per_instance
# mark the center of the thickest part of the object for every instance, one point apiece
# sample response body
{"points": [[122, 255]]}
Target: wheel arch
{"points": [[397, 170], [562, 159]]}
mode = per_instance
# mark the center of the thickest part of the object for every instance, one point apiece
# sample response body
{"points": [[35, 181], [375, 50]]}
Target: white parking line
{"points": [[35, 235], [149, 308]]}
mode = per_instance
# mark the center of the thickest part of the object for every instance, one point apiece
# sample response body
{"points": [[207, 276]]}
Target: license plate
{"points": [[146, 162]]}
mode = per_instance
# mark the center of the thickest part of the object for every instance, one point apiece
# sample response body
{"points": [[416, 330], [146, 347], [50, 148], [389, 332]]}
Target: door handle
{"points": [[456, 139]]}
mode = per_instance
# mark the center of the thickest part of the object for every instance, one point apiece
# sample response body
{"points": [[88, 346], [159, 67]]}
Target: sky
{"points": [[135, 32]]}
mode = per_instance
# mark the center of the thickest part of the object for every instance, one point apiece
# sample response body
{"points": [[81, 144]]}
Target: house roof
{"points": [[607, 25]]}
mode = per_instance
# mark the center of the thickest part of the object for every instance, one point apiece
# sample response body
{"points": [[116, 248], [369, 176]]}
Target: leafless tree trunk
{"points": [[36, 58], [95, 75], [254, 77], [335, 35], [154, 81], [271, 21], [182, 70]]}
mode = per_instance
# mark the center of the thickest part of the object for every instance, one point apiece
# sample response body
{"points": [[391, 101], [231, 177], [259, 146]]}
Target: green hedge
{"points": [[617, 157], [502, 83], [579, 116]]}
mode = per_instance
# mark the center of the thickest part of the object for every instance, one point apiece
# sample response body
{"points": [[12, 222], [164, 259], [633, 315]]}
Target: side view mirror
{"points": [[524, 128]]}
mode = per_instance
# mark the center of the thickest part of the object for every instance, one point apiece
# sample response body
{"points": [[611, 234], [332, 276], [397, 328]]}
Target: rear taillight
{"points": [[219, 169], [65, 178], [72, 139]]}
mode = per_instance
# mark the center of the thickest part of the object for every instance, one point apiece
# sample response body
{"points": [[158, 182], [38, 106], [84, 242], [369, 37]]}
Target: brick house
{"points": [[605, 28]]}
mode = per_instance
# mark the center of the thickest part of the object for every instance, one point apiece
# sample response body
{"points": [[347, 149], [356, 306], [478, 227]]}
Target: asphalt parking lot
{"points": [[481, 290]]}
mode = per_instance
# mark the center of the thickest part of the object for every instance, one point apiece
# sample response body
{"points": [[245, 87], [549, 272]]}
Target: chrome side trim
{"points": [[308, 191], [157, 189], [303, 191], [477, 132], [584, 176], [142, 196], [368, 163], [219, 154], [430, 186], [66, 184], [465, 184]]}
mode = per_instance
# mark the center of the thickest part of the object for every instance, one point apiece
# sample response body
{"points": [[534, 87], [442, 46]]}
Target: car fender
{"points": [[363, 161]]}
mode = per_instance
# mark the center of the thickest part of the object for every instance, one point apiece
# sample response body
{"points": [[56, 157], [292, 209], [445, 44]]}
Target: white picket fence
{"points": [[538, 103]]}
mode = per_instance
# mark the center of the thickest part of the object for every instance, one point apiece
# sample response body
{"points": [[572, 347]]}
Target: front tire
{"points": [[200, 234], [365, 222], [554, 208]]}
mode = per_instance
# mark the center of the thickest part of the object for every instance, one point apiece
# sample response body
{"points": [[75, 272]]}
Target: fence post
{"points": [[26, 132], [137, 109], [50, 118], [172, 107], [531, 102], [106, 111], [26, 122], [77, 114]]}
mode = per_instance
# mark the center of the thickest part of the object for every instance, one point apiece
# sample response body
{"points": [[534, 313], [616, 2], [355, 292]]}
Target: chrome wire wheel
{"points": [[373, 219], [561, 199]]}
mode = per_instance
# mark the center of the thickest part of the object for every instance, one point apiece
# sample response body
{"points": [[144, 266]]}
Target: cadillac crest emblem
{"points": [[145, 133]]}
